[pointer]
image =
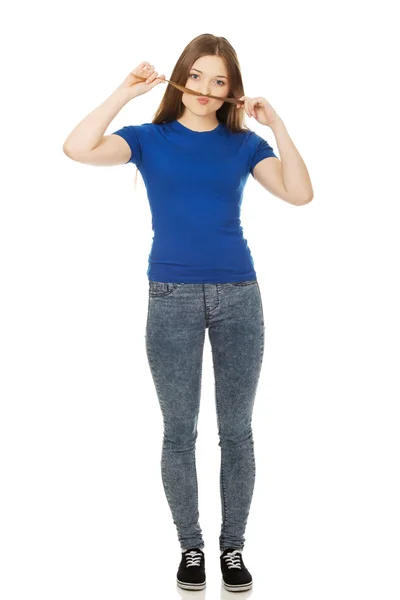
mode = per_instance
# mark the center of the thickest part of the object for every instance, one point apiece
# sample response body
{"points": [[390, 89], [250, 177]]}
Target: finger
{"points": [[157, 80], [147, 69], [245, 104], [144, 66], [151, 77]]}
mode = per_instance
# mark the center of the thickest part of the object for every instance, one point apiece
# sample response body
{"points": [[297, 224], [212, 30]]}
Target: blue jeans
{"points": [[178, 314]]}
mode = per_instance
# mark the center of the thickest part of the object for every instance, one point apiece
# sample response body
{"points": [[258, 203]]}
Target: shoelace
{"points": [[193, 558], [233, 560]]}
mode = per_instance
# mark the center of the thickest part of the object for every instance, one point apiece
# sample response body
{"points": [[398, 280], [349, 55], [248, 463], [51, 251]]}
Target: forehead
{"points": [[211, 65]]}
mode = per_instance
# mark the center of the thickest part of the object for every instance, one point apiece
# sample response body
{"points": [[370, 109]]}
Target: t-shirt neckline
{"points": [[185, 129]]}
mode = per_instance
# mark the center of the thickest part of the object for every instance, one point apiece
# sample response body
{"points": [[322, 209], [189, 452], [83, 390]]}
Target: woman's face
{"points": [[208, 75]]}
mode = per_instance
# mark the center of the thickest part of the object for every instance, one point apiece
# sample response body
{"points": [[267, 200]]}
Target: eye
{"points": [[219, 80]]}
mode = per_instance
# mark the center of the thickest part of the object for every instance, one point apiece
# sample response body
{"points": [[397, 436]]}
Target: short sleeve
{"points": [[130, 133], [259, 149]]}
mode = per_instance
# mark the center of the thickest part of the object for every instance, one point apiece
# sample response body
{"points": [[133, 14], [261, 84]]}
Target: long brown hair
{"points": [[206, 44]]}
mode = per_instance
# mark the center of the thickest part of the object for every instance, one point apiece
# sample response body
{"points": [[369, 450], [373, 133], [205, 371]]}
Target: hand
{"points": [[260, 109], [137, 87]]}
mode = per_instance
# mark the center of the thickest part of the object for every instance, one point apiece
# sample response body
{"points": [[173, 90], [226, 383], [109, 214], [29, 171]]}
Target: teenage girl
{"points": [[195, 157]]}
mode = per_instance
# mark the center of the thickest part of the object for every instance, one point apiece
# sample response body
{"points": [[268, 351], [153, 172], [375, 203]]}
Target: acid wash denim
{"points": [[178, 315]]}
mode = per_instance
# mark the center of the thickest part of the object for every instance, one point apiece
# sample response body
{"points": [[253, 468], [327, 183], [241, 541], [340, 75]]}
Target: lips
{"points": [[203, 100]]}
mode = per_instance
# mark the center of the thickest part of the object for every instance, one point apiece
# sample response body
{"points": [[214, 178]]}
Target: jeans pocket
{"points": [[161, 288]]}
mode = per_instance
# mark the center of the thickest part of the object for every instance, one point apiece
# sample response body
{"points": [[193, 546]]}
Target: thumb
{"points": [[157, 80]]}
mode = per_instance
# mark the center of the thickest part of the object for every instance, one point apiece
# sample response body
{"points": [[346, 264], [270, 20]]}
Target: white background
{"points": [[83, 512]]}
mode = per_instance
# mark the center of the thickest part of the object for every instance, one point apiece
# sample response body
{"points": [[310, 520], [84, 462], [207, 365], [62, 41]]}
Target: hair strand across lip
{"points": [[186, 90]]}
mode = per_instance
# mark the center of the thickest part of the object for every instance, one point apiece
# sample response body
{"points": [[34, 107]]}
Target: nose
{"points": [[204, 90]]}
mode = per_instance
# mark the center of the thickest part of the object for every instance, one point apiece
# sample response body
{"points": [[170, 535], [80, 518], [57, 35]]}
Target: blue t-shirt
{"points": [[194, 182]]}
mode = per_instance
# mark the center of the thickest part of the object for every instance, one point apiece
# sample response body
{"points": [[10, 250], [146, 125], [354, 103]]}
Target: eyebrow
{"points": [[202, 73]]}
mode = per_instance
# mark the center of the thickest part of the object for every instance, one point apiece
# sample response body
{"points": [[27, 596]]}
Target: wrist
{"points": [[124, 94], [277, 123]]}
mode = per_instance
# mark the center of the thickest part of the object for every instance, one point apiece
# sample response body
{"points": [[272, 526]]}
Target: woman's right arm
{"points": [[87, 142]]}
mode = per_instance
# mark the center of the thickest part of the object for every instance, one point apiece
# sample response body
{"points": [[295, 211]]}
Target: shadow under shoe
{"points": [[191, 573], [235, 576]]}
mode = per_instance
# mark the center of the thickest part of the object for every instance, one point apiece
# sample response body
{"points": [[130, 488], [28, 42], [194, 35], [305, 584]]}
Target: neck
{"points": [[198, 122]]}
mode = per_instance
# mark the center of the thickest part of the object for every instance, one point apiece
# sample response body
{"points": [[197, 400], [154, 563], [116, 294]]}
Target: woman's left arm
{"points": [[295, 177], [294, 171]]}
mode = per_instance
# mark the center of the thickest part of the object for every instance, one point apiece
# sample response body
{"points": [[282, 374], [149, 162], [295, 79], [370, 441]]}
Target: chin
{"points": [[200, 110], [206, 110]]}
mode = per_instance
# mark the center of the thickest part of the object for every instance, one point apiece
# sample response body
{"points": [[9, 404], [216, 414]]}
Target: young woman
{"points": [[195, 158]]}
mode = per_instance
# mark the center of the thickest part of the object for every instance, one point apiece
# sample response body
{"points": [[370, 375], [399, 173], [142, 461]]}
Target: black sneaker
{"points": [[191, 574], [235, 576]]}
